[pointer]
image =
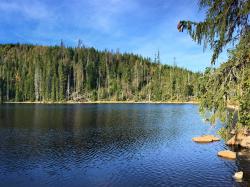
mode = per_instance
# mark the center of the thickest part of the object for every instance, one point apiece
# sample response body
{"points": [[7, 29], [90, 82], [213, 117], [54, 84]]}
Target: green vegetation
{"points": [[226, 22], [59, 73]]}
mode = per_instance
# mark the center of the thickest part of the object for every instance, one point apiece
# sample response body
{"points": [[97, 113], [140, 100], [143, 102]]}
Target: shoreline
{"points": [[235, 107], [104, 102], [229, 106]]}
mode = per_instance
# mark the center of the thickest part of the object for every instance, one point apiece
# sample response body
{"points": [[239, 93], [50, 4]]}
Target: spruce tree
{"points": [[226, 22]]}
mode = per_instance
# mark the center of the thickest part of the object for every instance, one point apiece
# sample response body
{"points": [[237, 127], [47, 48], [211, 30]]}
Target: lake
{"points": [[111, 145]]}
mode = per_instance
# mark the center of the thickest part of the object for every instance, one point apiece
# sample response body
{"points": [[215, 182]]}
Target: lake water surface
{"points": [[111, 145]]}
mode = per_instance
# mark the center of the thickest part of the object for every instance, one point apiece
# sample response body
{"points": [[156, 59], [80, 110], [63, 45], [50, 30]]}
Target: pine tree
{"points": [[59, 73], [226, 22]]}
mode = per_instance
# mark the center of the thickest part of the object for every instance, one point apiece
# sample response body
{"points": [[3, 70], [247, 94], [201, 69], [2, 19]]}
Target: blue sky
{"points": [[138, 26]]}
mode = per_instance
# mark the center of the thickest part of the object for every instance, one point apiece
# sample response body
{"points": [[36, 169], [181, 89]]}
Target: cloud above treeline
{"points": [[139, 26]]}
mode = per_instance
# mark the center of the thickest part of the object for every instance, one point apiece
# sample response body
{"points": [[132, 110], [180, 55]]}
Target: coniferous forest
{"points": [[226, 23], [59, 73], [77, 115]]}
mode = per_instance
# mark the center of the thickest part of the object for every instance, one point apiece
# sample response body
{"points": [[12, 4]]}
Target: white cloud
{"points": [[30, 9], [131, 25]]}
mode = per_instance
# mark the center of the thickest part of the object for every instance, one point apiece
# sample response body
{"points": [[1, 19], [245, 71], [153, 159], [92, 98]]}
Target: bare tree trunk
{"points": [[107, 70], [1, 96], [7, 87], [86, 71], [99, 84], [74, 78], [68, 87], [127, 91], [137, 80], [160, 80], [149, 96], [36, 83], [147, 86], [171, 86]]}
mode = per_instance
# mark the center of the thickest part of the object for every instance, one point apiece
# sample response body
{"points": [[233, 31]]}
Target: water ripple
{"points": [[111, 145]]}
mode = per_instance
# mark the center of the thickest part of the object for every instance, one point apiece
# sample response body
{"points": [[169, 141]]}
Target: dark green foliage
{"points": [[1, 90], [227, 21], [40, 73], [228, 84]]}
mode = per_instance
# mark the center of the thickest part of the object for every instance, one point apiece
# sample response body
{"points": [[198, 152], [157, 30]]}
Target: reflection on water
{"points": [[111, 145]]}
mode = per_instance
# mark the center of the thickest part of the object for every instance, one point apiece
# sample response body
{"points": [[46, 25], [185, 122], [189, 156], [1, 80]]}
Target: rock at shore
{"points": [[205, 139], [238, 175], [233, 132], [227, 154], [232, 141], [202, 139], [215, 138], [241, 138], [236, 139], [245, 142]]}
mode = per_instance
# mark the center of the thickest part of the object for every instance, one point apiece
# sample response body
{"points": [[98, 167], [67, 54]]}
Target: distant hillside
{"points": [[58, 73]]}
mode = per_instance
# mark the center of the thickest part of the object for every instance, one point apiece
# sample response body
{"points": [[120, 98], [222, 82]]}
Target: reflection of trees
{"points": [[243, 163], [62, 135], [6, 115], [57, 137]]}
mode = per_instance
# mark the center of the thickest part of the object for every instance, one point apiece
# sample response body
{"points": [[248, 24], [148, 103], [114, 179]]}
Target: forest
{"points": [[59, 73], [226, 26]]}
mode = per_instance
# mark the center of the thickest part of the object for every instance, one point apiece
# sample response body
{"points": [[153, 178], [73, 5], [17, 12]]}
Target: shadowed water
{"points": [[111, 145]]}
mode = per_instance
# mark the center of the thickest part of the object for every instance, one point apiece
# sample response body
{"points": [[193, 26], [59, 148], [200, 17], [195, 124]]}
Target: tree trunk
{"points": [[107, 71], [68, 87], [36, 84], [7, 88]]}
